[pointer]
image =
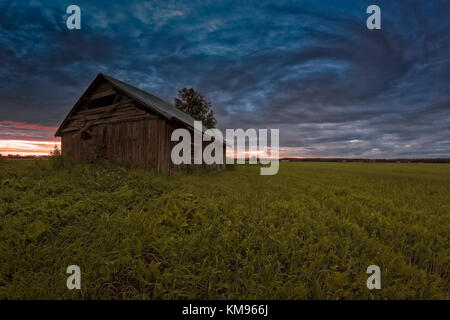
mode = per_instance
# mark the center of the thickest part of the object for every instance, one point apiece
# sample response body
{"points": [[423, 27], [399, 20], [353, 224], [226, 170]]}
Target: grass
{"points": [[309, 232]]}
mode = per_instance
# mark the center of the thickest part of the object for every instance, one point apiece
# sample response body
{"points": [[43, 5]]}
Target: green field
{"points": [[308, 232]]}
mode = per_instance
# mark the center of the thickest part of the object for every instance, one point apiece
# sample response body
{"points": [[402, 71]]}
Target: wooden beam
{"points": [[102, 94], [120, 104], [127, 111], [125, 119], [69, 129], [117, 98]]}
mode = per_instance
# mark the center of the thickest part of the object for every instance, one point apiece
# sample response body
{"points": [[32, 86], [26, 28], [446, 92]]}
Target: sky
{"points": [[309, 68]]}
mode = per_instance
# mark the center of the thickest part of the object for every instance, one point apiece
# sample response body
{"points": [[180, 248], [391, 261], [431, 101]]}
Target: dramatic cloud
{"points": [[18, 130], [310, 68]]}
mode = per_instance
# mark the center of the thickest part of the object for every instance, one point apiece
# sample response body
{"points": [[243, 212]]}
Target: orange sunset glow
{"points": [[26, 139], [27, 147]]}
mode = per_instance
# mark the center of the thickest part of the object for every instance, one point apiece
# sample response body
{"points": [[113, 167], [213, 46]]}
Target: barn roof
{"points": [[148, 100], [152, 102]]}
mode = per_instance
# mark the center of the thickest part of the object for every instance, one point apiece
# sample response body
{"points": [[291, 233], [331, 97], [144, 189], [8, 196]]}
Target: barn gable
{"points": [[102, 104], [104, 91]]}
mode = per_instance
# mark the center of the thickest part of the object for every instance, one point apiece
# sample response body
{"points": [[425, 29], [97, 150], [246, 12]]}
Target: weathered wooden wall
{"points": [[128, 142], [145, 142]]}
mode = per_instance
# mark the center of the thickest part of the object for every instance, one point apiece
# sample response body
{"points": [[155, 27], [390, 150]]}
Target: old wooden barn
{"points": [[120, 123]]}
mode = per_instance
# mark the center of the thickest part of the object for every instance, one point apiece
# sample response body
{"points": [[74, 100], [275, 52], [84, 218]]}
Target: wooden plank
{"points": [[70, 129], [125, 119], [102, 94], [123, 103], [118, 113], [102, 87]]}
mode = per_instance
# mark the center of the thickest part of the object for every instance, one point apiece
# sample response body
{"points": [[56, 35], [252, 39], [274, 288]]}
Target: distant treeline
{"points": [[437, 160], [18, 156]]}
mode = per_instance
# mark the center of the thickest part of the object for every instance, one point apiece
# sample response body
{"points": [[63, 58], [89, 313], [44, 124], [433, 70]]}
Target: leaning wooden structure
{"points": [[119, 123]]}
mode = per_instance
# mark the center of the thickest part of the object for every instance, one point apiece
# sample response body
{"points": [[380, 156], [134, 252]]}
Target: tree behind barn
{"points": [[194, 103], [55, 152]]}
